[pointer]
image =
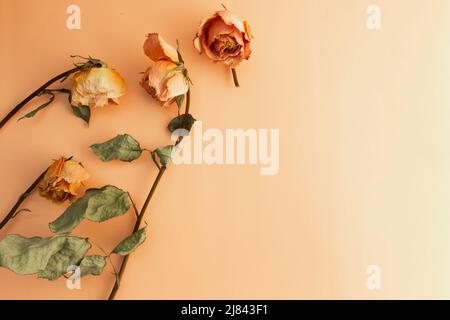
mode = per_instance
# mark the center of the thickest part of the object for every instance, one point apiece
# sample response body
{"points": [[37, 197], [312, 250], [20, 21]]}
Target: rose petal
{"points": [[203, 24], [156, 48], [155, 76], [73, 172], [197, 44], [55, 169], [95, 86], [248, 31], [175, 86], [218, 28], [164, 84], [203, 36], [231, 19]]}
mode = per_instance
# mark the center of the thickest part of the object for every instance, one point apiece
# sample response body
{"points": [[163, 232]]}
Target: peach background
{"points": [[364, 175]]}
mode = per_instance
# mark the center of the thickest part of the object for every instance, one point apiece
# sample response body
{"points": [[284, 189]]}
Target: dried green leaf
{"points": [[83, 112], [42, 106], [92, 265], [73, 215], [129, 244], [47, 257], [28, 255], [123, 147], [96, 205], [165, 154], [184, 121], [70, 254], [180, 57], [110, 202]]}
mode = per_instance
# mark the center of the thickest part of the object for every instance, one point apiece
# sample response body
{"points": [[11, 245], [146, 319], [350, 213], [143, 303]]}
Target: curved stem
{"points": [[235, 77], [21, 199], [136, 228], [35, 94]]}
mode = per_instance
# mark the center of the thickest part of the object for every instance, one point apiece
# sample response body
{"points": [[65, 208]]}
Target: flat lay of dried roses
{"points": [[167, 81], [222, 37]]}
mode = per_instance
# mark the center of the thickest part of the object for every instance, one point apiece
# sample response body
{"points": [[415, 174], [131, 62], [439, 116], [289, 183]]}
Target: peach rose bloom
{"points": [[164, 79], [62, 180], [224, 37], [95, 87]]}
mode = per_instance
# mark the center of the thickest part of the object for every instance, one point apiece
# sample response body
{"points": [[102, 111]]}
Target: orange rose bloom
{"points": [[164, 79], [62, 180], [95, 87], [224, 37]]}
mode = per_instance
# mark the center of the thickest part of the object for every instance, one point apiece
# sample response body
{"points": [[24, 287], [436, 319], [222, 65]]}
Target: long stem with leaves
{"points": [[113, 293], [161, 170]]}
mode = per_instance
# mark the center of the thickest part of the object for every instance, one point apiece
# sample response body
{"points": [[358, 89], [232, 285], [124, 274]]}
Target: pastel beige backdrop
{"points": [[364, 153]]}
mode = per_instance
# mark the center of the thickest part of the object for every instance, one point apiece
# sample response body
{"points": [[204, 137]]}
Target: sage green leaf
{"points": [[129, 244], [49, 258], [70, 254], [92, 265], [165, 154], [83, 112], [42, 106], [28, 255], [96, 205], [110, 202], [123, 147], [184, 121], [73, 215]]}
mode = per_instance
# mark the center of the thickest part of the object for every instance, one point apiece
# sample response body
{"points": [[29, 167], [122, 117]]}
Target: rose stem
{"points": [[35, 94], [235, 77], [188, 101], [113, 293], [21, 199], [136, 228]]}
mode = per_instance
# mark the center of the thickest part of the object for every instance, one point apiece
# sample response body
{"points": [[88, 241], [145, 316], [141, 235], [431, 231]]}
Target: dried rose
{"points": [[95, 87], [165, 79], [62, 180], [94, 84], [225, 38]]}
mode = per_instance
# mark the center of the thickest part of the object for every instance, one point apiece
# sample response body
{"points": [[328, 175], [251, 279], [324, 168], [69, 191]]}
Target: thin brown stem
{"points": [[188, 101], [36, 93], [186, 112], [161, 171], [11, 214], [235, 77], [136, 211], [136, 228]]}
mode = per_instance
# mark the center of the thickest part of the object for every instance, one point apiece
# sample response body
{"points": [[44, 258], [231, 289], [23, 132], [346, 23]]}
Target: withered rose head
{"points": [[165, 78], [62, 180], [95, 87], [224, 37]]}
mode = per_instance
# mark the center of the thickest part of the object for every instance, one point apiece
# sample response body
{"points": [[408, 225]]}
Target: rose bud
{"points": [[165, 79], [62, 180], [95, 87], [224, 37]]}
